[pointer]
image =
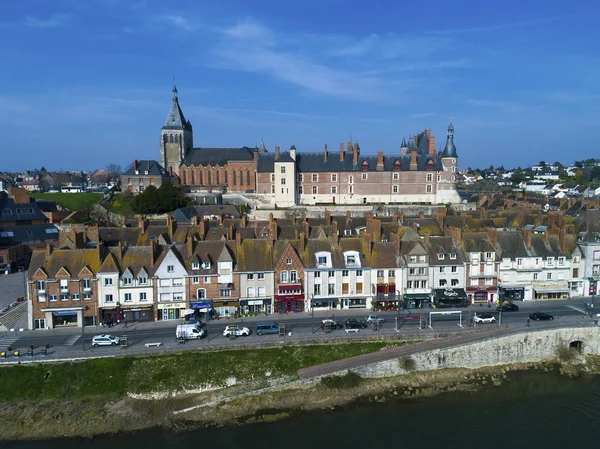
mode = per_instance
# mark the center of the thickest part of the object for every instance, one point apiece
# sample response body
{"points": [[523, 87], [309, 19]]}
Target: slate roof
{"points": [[385, 255], [187, 213], [152, 167], [218, 156], [9, 211], [254, 255], [175, 118], [135, 258], [15, 235], [445, 246], [512, 245], [477, 242]]}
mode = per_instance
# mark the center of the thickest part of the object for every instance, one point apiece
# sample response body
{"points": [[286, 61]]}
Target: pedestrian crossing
{"points": [[7, 341]]}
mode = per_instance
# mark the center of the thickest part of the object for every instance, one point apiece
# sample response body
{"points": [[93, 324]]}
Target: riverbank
{"points": [[93, 416]]}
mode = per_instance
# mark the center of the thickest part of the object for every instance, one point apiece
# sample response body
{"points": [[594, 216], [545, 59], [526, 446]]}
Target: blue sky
{"points": [[87, 83]]}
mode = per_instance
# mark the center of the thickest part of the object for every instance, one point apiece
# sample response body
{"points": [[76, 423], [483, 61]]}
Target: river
{"points": [[535, 410]]}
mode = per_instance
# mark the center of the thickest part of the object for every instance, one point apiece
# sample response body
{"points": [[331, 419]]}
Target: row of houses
{"points": [[238, 267]]}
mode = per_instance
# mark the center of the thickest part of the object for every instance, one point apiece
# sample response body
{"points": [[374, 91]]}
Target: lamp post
{"points": [[312, 308], [83, 329]]}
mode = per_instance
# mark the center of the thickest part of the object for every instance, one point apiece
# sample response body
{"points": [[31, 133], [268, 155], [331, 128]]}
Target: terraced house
{"points": [[147, 270]]}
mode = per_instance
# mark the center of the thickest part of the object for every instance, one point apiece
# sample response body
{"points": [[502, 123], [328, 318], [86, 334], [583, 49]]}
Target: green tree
{"points": [[579, 178]]}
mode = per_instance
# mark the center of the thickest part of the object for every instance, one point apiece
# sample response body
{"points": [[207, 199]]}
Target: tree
{"points": [[114, 172], [579, 178], [166, 198]]}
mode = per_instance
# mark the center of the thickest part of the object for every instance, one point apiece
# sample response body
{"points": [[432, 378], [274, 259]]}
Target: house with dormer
{"points": [[254, 269], [415, 262], [62, 288], [202, 280], [169, 283], [386, 274], [136, 283], [446, 271], [109, 273], [288, 275]]}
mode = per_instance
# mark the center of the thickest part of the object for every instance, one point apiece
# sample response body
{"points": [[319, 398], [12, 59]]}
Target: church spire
{"points": [[175, 118], [175, 98], [450, 149]]}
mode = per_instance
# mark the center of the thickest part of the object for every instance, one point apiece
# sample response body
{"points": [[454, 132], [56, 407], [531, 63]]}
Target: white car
{"points": [[105, 340], [485, 318], [236, 330], [375, 319]]}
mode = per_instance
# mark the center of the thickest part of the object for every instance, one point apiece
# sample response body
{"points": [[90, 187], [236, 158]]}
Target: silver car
{"points": [[105, 340]]}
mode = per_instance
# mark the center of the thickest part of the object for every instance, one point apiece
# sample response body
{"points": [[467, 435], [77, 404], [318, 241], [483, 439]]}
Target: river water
{"points": [[535, 410]]}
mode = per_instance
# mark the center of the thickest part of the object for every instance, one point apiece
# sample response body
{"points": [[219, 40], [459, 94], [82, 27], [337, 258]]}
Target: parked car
{"points": [[375, 319], [238, 331], [189, 331], [508, 308], [485, 318], [540, 316], [268, 327], [353, 323], [105, 340], [331, 324]]}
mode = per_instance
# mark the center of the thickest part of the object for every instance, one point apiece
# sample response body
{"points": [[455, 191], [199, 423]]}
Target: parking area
{"points": [[11, 287]]}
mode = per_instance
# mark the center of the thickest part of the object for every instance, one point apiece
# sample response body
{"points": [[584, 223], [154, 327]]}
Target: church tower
{"points": [[446, 189], [176, 137]]}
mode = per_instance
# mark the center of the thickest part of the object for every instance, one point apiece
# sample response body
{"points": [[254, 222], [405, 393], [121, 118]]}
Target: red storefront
{"points": [[479, 295], [289, 298]]}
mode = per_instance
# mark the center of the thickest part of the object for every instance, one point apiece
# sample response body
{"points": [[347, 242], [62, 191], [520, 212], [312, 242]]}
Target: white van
{"points": [[188, 332]]}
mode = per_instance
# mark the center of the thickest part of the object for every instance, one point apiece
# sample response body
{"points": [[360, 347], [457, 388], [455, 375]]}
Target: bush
{"points": [[565, 354], [348, 380], [407, 364], [166, 198]]}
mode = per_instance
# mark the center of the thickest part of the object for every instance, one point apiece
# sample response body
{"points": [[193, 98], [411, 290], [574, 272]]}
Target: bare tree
{"points": [[114, 172]]}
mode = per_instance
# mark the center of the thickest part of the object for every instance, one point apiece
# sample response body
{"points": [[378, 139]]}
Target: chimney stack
{"points": [[456, 234], [493, 235], [327, 217], [527, 235], [120, 250], [135, 164], [153, 250], [276, 152], [413, 160], [202, 230], [49, 249], [355, 153], [561, 239], [336, 235], [273, 230], [379, 161], [148, 166], [427, 239], [238, 238], [100, 251], [431, 145], [301, 244], [325, 153], [421, 213], [341, 151], [190, 245], [396, 239]]}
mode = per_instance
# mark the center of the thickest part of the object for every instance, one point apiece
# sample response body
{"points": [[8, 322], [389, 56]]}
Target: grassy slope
{"points": [[72, 201], [121, 204], [111, 378]]}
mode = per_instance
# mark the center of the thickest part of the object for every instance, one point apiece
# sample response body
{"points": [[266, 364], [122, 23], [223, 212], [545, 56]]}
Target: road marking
{"points": [[71, 340], [578, 309], [7, 341]]}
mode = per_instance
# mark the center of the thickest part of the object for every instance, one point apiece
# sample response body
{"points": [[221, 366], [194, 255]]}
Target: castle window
{"points": [[248, 177], [397, 165], [234, 177], [428, 189], [429, 177], [241, 178]]}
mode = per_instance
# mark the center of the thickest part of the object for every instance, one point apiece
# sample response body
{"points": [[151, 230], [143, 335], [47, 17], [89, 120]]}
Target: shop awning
{"points": [[552, 290], [450, 294], [200, 304], [417, 296], [288, 287], [188, 312], [328, 300], [292, 297]]}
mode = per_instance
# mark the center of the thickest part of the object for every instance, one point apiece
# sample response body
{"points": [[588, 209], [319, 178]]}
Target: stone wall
{"points": [[519, 348]]}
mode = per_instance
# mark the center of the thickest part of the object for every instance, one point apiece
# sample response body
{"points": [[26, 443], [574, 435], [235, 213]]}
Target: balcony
{"points": [[479, 275]]}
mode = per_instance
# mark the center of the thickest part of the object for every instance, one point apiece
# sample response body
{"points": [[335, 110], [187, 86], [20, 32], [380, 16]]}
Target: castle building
{"points": [[417, 173]]}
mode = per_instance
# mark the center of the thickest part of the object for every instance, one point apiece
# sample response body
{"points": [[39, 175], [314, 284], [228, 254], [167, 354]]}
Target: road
{"points": [[302, 326]]}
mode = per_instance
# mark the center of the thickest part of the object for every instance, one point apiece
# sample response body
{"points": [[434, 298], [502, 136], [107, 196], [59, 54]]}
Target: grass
{"points": [[121, 204], [72, 201], [112, 378]]}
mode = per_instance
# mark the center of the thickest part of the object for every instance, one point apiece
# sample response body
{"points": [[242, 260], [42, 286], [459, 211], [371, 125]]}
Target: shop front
{"points": [[385, 303], [200, 309], [138, 314], [478, 295], [416, 300], [356, 303], [450, 297], [509, 293], [225, 309], [64, 317], [289, 298], [551, 292], [171, 311], [325, 303], [110, 315], [255, 306]]}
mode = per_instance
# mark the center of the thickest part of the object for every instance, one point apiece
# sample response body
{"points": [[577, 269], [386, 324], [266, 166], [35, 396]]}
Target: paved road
{"points": [[11, 286], [69, 342]]}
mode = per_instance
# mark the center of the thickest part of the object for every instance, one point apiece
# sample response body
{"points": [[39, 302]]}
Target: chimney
{"points": [[427, 239], [135, 164], [336, 235], [190, 245], [455, 233], [561, 239], [276, 152], [349, 149], [153, 250], [413, 160], [120, 252], [396, 239], [355, 153], [202, 230], [327, 217], [493, 235], [142, 223], [348, 215], [341, 151], [19, 195], [195, 220], [238, 239], [100, 251], [325, 153], [527, 235], [379, 161], [306, 229], [244, 221], [270, 217], [170, 171], [431, 145], [273, 230], [293, 152], [171, 225], [49, 249], [148, 166], [301, 244]]}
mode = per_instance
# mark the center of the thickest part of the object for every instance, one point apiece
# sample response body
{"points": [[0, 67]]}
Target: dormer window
{"points": [[347, 232], [441, 256], [206, 265], [137, 172], [453, 256], [126, 281], [397, 165], [352, 259], [322, 260], [364, 166], [195, 265]]}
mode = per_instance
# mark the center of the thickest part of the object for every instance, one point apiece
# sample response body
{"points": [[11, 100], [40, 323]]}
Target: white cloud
{"points": [[180, 22], [54, 21]]}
